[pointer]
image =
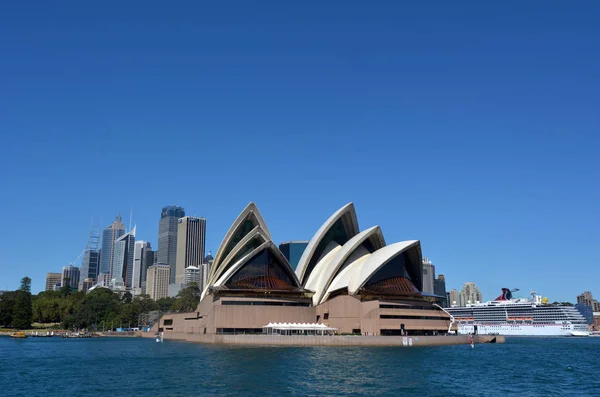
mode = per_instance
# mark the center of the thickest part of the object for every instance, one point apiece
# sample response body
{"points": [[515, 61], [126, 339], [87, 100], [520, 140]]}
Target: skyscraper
{"points": [[122, 270], [90, 265], [439, 289], [454, 297], [70, 276], [167, 237], [191, 237], [109, 236], [148, 259], [469, 294], [52, 279], [138, 263], [293, 250], [157, 285], [428, 275]]}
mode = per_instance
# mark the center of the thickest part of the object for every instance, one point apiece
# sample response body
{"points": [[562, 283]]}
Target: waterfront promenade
{"points": [[302, 340]]}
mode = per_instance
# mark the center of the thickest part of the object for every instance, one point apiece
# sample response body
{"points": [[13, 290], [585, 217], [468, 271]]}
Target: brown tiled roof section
{"points": [[393, 286]]}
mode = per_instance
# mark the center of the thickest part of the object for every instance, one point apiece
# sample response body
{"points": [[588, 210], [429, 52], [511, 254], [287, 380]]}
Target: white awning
{"points": [[300, 326]]}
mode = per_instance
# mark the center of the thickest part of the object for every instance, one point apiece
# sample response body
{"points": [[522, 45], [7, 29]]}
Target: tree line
{"points": [[100, 309]]}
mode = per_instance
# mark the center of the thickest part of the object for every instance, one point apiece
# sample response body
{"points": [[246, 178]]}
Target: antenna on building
{"points": [[130, 216]]}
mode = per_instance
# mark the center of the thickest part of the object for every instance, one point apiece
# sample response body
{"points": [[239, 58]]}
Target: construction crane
{"points": [[78, 257]]}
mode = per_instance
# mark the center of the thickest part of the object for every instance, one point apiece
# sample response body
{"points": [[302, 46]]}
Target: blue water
{"points": [[142, 367]]}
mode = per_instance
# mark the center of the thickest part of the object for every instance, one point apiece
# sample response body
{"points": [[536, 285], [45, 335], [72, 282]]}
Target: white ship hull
{"points": [[522, 330]]}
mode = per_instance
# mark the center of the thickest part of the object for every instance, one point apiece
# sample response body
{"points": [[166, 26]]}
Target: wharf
{"points": [[303, 340]]}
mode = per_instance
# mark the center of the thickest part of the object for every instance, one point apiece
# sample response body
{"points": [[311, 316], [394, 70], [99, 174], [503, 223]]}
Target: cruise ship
{"points": [[518, 317]]}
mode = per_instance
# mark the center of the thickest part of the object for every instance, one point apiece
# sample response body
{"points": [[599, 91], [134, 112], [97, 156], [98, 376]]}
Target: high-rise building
{"points": [[148, 259], [454, 297], [439, 289], [138, 263], [428, 271], [293, 250], [122, 270], [109, 236], [167, 237], [90, 264], [191, 238], [70, 276], [469, 294], [52, 279], [157, 281]]}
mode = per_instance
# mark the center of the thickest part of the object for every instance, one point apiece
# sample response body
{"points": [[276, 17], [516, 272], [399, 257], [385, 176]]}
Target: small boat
{"points": [[18, 335], [160, 338]]}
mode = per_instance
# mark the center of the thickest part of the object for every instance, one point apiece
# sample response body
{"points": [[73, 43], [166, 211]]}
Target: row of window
{"points": [[384, 306], [263, 303], [389, 316]]}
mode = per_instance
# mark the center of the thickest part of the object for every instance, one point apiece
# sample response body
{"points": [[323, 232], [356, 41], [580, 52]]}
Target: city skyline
{"points": [[426, 262], [492, 113]]}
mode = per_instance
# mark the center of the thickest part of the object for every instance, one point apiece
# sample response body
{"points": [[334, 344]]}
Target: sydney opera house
{"points": [[347, 279]]}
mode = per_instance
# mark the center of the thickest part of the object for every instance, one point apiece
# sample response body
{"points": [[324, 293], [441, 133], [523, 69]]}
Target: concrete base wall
{"points": [[276, 340]]}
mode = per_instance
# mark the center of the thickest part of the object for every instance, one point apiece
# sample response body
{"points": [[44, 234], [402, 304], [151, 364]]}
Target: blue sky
{"points": [[471, 126]]}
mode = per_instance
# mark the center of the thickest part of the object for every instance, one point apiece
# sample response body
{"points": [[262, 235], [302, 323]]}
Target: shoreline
{"points": [[304, 340]]}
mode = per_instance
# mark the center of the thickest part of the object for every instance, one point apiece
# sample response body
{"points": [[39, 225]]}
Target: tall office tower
{"points": [[109, 236], [70, 276], [157, 281], [191, 238], [91, 259], [193, 274], [167, 237], [469, 294], [293, 250], [439, 289], [428, 271], [454, 298], [52, 279], [122, 270], [138, 263], [148, 259]]}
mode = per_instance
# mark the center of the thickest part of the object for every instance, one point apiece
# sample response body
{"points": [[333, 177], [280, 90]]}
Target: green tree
{"points": [[7, 308], [127, 297], [22, 314], [187, 299], [165, 304]]}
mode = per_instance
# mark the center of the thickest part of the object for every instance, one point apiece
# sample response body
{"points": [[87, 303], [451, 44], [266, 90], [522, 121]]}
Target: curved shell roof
{"points": [[376, 261], [328, 268], [308, 261], [250, 213], [257, 232]]}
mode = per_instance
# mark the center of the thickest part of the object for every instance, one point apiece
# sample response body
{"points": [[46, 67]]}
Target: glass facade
{"points": [[263, 271], [109, 236], [293, 250], [245, 228], [90, 264], [167, 238]]}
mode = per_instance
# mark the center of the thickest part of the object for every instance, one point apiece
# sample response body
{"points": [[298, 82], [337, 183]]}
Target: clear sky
{"points": [[472, 126]]}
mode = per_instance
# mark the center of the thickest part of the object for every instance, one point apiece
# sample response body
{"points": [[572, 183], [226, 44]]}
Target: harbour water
{"points": [[133, 366]]}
